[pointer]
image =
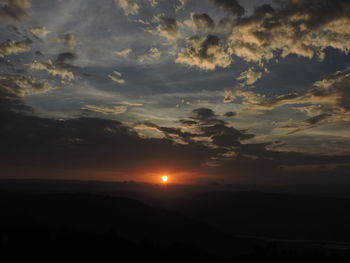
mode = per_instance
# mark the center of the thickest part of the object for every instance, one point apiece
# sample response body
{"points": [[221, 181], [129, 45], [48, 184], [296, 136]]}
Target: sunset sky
{"points": [[246, 91]]}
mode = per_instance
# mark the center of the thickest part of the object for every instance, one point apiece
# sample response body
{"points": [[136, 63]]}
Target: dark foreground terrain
{"points": [[61, 225]]}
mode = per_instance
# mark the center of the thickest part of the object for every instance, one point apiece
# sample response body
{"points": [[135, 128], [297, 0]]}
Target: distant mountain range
{"points": [[49, 225]]}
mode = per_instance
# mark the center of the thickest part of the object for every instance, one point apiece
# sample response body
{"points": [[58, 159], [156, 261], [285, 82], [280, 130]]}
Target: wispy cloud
{"points": [[105, 110], [117, 77], [50, 68]]}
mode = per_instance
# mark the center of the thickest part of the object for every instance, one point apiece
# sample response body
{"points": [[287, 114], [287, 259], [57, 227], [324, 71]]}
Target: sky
{"points": [[253, 92]]}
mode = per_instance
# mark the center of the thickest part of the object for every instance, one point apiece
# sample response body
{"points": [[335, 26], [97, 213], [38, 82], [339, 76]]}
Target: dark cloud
{"points": [[308, 123], [231, 6], [331, 96], [225, 25], [302, 27], [316, 119], [39, 54], [78, 147], [332, 91], [206, 124], [66, 58], [205, 53], [204, 113], [264, 10], [35, 147], [168, 27], [174, 134], [15, 9], [230, 114], [229, 156], [203, 22], [224, 135], [69, 40], [204, 128]]}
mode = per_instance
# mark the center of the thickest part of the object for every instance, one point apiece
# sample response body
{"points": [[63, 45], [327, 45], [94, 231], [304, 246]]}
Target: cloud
{"points": [[168, 28], [231, 6], [308, 123], [14, 88], [203, 113], [132, 104], [104, 110], [250, 76], [88, 144], [302, 27], [262, 102], [310, 110], [40, 31], [205, 128], [328, 101], [228, 149], [63, 59], [229, 96], [263, 10], [230, 114], [152, 55], [124, 53], [188, 142], [316, 119], [22, 86], [206, 53], [14, 47], [201, 22], [130, 7], [103, 146], [205, 124], [15, 9], [50, 68], [117, 77], [153, 3], [181, 5], [332, 92], [174, 134], [69, 40]]}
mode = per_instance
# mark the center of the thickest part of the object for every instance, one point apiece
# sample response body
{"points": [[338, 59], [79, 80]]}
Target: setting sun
{"points": [[165, 179]]}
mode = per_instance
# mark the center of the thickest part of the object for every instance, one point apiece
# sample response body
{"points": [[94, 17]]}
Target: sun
{"points": [[165, 179]]}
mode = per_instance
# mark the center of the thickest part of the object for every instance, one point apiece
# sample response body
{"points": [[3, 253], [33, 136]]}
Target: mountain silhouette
{"points": [[212, 226]]}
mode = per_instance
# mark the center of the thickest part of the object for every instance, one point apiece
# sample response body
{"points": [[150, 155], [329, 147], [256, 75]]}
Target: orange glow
{"points": [[153, 173], [165, 179]]}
